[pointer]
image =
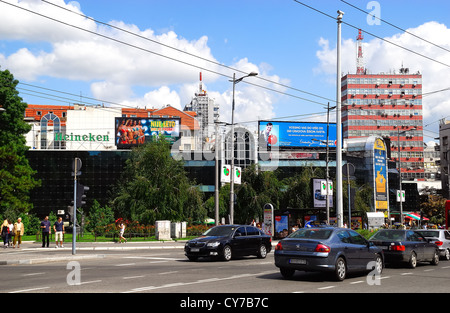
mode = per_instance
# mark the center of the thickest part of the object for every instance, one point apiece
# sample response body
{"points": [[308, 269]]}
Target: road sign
{"points": [[401, 195], [225, 174], [237, 175], [323, 188]]}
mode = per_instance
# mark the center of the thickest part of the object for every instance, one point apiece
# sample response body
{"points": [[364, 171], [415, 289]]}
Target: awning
{"points": [[414, 216]]}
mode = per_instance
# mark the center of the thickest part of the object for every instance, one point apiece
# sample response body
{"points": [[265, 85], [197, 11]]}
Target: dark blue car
{"points": [[405, 246], [333, 250]]}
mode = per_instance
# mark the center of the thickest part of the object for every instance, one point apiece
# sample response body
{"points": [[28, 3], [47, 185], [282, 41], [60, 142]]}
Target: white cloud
{"points": [[115, 70]]}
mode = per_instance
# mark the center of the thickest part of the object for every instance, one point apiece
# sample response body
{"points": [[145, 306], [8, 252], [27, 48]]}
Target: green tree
{"points": [[299, 193], [155, 186], [257, 188], [16, 175], [99, 217], [433, 207]]}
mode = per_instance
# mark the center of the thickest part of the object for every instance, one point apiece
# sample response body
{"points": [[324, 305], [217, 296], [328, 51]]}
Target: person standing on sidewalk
{"points": [[45, 226], [19, 230], [59, 232], [5, 233]]}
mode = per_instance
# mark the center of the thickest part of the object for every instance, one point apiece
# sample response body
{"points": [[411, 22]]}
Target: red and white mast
{"points": [[359, 57]]}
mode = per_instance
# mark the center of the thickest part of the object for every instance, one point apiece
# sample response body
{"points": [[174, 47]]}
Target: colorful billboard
{"points": [[380, 173], [134, 131], [296, 134]]}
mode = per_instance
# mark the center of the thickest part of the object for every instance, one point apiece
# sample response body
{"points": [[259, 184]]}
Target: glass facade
{"points": [[100, 172]]}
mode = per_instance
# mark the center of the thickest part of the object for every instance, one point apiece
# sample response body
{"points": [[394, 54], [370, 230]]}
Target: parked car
{"points": [[441, 238], [333, 250], [227, 241], [405, 246]]}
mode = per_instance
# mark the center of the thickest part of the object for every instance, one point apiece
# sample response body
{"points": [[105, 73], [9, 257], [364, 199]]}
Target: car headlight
{"points": [[213, 244]]}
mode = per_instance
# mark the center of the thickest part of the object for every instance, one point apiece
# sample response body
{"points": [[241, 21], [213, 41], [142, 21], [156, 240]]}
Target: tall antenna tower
{"points": [[359, 57]]}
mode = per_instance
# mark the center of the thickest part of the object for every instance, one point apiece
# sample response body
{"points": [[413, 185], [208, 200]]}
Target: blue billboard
{"points": [[297, 134]]}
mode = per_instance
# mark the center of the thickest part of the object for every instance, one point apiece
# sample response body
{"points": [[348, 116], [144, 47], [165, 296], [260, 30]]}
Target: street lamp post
{"points": [[234, 81], [339, 194], [400, 170]]}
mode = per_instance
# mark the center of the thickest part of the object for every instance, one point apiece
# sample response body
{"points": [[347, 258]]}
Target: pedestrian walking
{"points": [[19, 230], [121, 232], [5, 233], [59, 232], [45, 226]]}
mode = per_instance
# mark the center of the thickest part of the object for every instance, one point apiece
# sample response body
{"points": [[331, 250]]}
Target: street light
{"points": [[400, 168], [339, 194], [234, 81]]}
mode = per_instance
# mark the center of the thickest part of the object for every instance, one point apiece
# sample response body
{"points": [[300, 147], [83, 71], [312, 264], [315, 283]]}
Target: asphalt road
{"points": [[169, 271]]}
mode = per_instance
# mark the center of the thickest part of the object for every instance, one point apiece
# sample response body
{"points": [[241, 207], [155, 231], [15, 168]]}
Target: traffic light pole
{"points": [[74, 227]]}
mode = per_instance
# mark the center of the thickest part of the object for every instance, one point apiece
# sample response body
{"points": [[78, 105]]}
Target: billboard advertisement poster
{"points": [[281, 225], [134, 131], [380, 172], [296, 134]]}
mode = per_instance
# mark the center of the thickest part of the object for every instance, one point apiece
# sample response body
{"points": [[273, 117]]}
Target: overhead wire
{"points": [[373, 35], [178, 60], [395, 26]]}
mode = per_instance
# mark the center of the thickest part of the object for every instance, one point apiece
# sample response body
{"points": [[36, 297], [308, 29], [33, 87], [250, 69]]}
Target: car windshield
{"points": [[312, 233], [220, 231], [429, 233], [392, 235]]}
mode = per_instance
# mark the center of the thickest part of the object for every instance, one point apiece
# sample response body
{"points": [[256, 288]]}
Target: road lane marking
{"points": [[194, 282], [327, 287], [90, 282], [166, 273], [34, 274], [133, 277], [28, 290]]}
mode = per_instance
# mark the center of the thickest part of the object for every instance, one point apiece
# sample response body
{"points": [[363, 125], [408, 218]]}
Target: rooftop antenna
{"points": [[359, 57]]}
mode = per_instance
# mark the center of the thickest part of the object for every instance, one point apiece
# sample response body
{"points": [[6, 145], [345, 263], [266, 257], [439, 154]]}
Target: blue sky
{"points": [[284, 41]]}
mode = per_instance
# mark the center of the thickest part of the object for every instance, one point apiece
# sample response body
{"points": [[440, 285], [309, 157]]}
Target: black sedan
{"points": [[405, 246], [227, 241], [333, 250]]}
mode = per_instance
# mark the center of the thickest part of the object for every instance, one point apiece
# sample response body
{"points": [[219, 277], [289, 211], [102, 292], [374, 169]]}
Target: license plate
{"points": [[195, 249], [297, 261]]}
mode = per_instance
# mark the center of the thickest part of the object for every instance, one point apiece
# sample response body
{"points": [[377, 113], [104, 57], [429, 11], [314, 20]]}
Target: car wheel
{"points": [[435, 260], [287, 272], [192, 258], [227, 254], [412, 260], [379, 265], [447, 255], [340, 270], [262, 252]]}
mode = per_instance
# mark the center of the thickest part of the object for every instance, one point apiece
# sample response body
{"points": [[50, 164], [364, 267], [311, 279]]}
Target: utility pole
{"points": [[339, 194], [234, 81]]}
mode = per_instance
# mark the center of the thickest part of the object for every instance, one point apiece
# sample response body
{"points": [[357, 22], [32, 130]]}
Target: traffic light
{"points": [[81, 197]]}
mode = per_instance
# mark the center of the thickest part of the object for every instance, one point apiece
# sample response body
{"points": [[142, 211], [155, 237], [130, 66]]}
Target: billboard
{"points": [[134, 131], [296, 134], [380, 172]]}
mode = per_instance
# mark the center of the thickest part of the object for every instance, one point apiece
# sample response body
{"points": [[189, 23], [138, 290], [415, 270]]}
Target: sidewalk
{"points": [[32, 252]]}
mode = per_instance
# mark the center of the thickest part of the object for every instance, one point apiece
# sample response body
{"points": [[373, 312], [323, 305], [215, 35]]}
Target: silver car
{"points": [[441, 237]]}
